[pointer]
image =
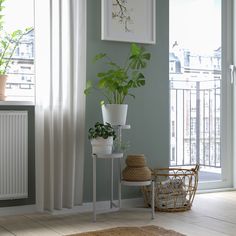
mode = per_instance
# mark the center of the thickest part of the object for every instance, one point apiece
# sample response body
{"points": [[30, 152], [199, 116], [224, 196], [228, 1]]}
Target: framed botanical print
{"points": [[129, 20]]}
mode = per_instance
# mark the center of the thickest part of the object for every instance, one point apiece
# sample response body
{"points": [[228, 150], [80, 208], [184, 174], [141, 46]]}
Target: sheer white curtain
{"points": [[60, 32]]}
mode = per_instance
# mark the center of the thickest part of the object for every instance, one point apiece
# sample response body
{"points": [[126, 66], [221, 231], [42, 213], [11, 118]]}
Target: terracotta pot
{"points": [[3, 79]]}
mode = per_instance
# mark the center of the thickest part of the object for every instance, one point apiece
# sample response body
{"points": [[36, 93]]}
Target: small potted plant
{"points": [[101, 137], [8, 44], [116, 82]]}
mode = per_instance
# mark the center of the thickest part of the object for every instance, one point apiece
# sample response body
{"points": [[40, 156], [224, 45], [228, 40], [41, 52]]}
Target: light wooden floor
{"points": [[212, 214]]}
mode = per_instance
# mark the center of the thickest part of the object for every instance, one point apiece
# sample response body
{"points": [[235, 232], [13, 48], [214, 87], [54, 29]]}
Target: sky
{"points": [[196, 24], [19, 14]]}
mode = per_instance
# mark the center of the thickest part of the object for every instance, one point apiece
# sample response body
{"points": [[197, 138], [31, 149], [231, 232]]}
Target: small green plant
{"points": [[8, 45], [121, 146], [116, 82], [101, 130]]}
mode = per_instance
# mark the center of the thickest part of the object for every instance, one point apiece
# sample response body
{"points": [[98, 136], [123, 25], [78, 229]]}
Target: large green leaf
{"points": [[99, 56], [113, 64], [131, 95], [89, 85], [135, 50], [16, 33], [140, 83], [147, 56]]}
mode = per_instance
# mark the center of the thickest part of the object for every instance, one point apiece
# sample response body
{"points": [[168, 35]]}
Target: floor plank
{"points": [[4, 232]]}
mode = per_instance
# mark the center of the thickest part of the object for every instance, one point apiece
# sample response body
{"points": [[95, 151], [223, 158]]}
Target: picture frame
{"points": [[129, 21]]}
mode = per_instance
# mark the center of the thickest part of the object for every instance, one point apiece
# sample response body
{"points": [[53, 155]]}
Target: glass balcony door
{"points": [[200, 89]]}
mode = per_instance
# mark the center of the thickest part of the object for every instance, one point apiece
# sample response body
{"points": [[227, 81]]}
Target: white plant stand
{"points": [[121, 182], [100, 156], [140, 184]]}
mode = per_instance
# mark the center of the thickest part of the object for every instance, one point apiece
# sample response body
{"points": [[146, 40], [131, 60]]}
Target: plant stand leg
{"points": [[153, 199], [94, 188], [112, 166], [119, 186]]}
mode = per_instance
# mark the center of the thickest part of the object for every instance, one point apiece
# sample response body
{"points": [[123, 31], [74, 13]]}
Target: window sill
{"points": [[16, 103]]}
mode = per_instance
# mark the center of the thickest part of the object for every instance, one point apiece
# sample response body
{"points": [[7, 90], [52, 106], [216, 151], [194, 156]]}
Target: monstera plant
{"points": [[118, 81]]}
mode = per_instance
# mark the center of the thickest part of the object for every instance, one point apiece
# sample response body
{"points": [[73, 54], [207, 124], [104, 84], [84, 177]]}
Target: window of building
{"points": [[193, 126]]}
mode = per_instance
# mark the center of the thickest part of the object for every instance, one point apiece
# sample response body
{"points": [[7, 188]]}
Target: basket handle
{"points": [[196, 169]]}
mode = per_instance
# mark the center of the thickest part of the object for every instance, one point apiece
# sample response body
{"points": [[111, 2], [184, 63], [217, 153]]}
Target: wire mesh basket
{"points": [[175, 189]]}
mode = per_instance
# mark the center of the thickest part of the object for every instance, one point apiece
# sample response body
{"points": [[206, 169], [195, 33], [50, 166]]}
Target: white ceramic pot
{"points": [[3, 79], [115, 114], [101, 145]]}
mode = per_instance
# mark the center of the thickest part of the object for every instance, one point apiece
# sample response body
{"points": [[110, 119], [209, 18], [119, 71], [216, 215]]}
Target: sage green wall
{"points": [[148, 114]]}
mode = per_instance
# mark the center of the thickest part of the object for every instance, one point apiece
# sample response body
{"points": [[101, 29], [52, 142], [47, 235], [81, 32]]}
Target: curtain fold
{"points": [[60, 103]]}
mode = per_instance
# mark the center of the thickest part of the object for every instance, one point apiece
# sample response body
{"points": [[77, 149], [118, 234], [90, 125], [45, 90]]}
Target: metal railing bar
{"points": [[220, 127], [183, 128], [204, 128], [191, 89], [209, 124], [190, 120], [194, 81], [197, 123], [176, 124], [215, 126]]}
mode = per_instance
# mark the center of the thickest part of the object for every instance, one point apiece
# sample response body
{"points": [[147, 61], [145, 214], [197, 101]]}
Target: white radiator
{"points": [[13, 154]]}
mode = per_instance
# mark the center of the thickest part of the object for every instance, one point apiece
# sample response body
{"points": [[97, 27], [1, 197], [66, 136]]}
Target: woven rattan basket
{"points": [[136, 173], [137, 160], [175, 189]]}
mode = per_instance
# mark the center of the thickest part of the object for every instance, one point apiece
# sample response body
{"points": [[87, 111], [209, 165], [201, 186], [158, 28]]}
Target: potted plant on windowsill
{"points": [[116, 82], [101, 137], [8, 44]]}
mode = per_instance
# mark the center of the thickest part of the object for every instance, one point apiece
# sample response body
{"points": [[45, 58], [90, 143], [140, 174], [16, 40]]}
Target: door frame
{"points": [[226, 102]]}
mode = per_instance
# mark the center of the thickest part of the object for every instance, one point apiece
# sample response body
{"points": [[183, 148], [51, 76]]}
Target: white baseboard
{"points": [[101, 206], [214, 190], [17, 210]]}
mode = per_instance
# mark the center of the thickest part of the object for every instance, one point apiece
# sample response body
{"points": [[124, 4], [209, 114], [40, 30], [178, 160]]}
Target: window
{"points": [[19, 15]]}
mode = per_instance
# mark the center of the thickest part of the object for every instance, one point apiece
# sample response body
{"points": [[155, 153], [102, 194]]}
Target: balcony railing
{"points": [[195, 122]]}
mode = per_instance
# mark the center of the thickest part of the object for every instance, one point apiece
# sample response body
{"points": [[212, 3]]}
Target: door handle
{"points": [[232, 69]]}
